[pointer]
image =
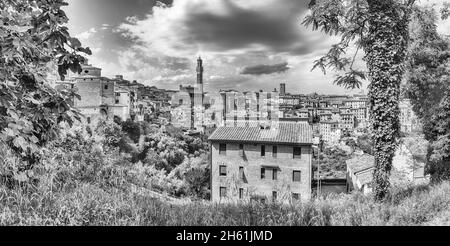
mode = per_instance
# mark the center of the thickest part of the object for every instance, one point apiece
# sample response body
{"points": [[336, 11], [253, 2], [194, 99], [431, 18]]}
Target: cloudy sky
{"points": [[245, 44]]}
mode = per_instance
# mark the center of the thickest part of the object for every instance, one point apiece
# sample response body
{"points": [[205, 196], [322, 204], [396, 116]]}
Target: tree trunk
{"points": [[385, 48]]}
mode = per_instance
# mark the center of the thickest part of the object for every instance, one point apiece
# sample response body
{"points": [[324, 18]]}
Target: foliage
{"points": [[133, 129], [196, 173], [364, 143], [30, 110], [332, 162], [380, 29], [428, 88], [33, 40], [89, 204]]}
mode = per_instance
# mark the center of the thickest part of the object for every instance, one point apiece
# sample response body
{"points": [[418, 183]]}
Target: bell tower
{"points": [[200, 74]]}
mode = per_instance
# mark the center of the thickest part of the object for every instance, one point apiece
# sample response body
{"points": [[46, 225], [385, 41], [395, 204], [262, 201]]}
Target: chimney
{"points": [[119, 77]]}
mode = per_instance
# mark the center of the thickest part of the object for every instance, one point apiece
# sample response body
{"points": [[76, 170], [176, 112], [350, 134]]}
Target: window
{"points": [[222, 170], [223, 191], [296, 176], [263, 150], [241, 193], [106, 87], [241, 150], [89, 120], [241, 173], [274, 174], [263, 173], [180, 101], [274, 196], [295, 196], [117, 101], [297, 153], [222, 149], [274, 151]]}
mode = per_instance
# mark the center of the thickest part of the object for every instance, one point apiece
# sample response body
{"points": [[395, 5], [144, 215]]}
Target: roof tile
{"points": [[281, 132]]}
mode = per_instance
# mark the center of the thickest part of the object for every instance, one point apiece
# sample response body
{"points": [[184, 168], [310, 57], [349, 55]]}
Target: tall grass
{"points": [[88, 204]]}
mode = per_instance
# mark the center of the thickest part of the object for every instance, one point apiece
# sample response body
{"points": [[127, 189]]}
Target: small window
{"points": [[274, 151], [106, 87], [274, 196], [241, 150], [297, 153], [263, 150], [223, 191], [241, 173], [222, 170], [89, 120], [296, 176], [295, 196], [241, 193], [263, 173], [222, 149], [180, 101], [117, 101], [274, 174]]}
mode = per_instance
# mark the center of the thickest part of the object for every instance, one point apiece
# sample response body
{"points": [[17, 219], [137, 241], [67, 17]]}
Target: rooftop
{"points": [[281, 132], [361, 163]]}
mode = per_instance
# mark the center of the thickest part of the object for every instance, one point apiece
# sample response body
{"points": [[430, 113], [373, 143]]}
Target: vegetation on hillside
{"points": [[379, 28], [428, 87]]}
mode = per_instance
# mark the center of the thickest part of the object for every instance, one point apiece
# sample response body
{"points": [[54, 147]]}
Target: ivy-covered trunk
{"points": [[385, 47]]}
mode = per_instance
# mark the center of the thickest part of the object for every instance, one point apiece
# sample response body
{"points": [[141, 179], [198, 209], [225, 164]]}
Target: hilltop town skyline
{"points": [[157, 43]]}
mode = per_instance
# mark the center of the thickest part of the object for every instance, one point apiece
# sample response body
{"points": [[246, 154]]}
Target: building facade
{"points": [[265, 163]]}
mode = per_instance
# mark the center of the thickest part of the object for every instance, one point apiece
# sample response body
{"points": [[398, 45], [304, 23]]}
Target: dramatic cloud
{"points": [[266, 69], [158, 44], [223, 26], [86, 34]]}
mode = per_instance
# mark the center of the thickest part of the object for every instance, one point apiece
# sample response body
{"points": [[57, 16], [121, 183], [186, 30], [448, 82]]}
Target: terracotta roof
{"points": [[285, 132]]}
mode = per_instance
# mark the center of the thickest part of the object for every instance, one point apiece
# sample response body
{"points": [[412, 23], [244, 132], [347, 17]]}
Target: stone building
{"points": [[330, 131], [265, 163], [101, 97], [187, 104]]}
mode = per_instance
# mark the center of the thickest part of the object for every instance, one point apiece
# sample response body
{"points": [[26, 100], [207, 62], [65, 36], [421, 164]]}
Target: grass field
{"points": [[88, 204]]}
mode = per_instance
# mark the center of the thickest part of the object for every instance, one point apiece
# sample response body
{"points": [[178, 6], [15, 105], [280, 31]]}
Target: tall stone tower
{"points": [[200, 74], [198, 111], [282, 89]]}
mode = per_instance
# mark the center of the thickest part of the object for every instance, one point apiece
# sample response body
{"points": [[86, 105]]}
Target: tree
{"points": [[427, 85], [33, 40], [364, 143], [380, 29], [197, 180], [133, 129]]}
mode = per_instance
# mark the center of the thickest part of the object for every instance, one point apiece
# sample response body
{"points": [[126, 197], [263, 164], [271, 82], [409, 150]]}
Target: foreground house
{"points": [[265, 163]]}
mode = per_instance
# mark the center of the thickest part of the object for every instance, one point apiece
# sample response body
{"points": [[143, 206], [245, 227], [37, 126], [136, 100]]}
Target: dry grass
{"points": [[87, 204]]}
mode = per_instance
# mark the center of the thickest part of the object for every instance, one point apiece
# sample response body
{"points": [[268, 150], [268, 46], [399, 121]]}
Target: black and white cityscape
{"points": [[224, 113]]}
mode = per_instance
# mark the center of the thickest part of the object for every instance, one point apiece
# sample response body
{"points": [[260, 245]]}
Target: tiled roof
{"points": [[282, 132], [360, 163]]}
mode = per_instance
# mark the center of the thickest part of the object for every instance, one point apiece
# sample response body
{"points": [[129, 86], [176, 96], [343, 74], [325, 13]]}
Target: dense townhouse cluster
{"points": [[110, 99]]}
